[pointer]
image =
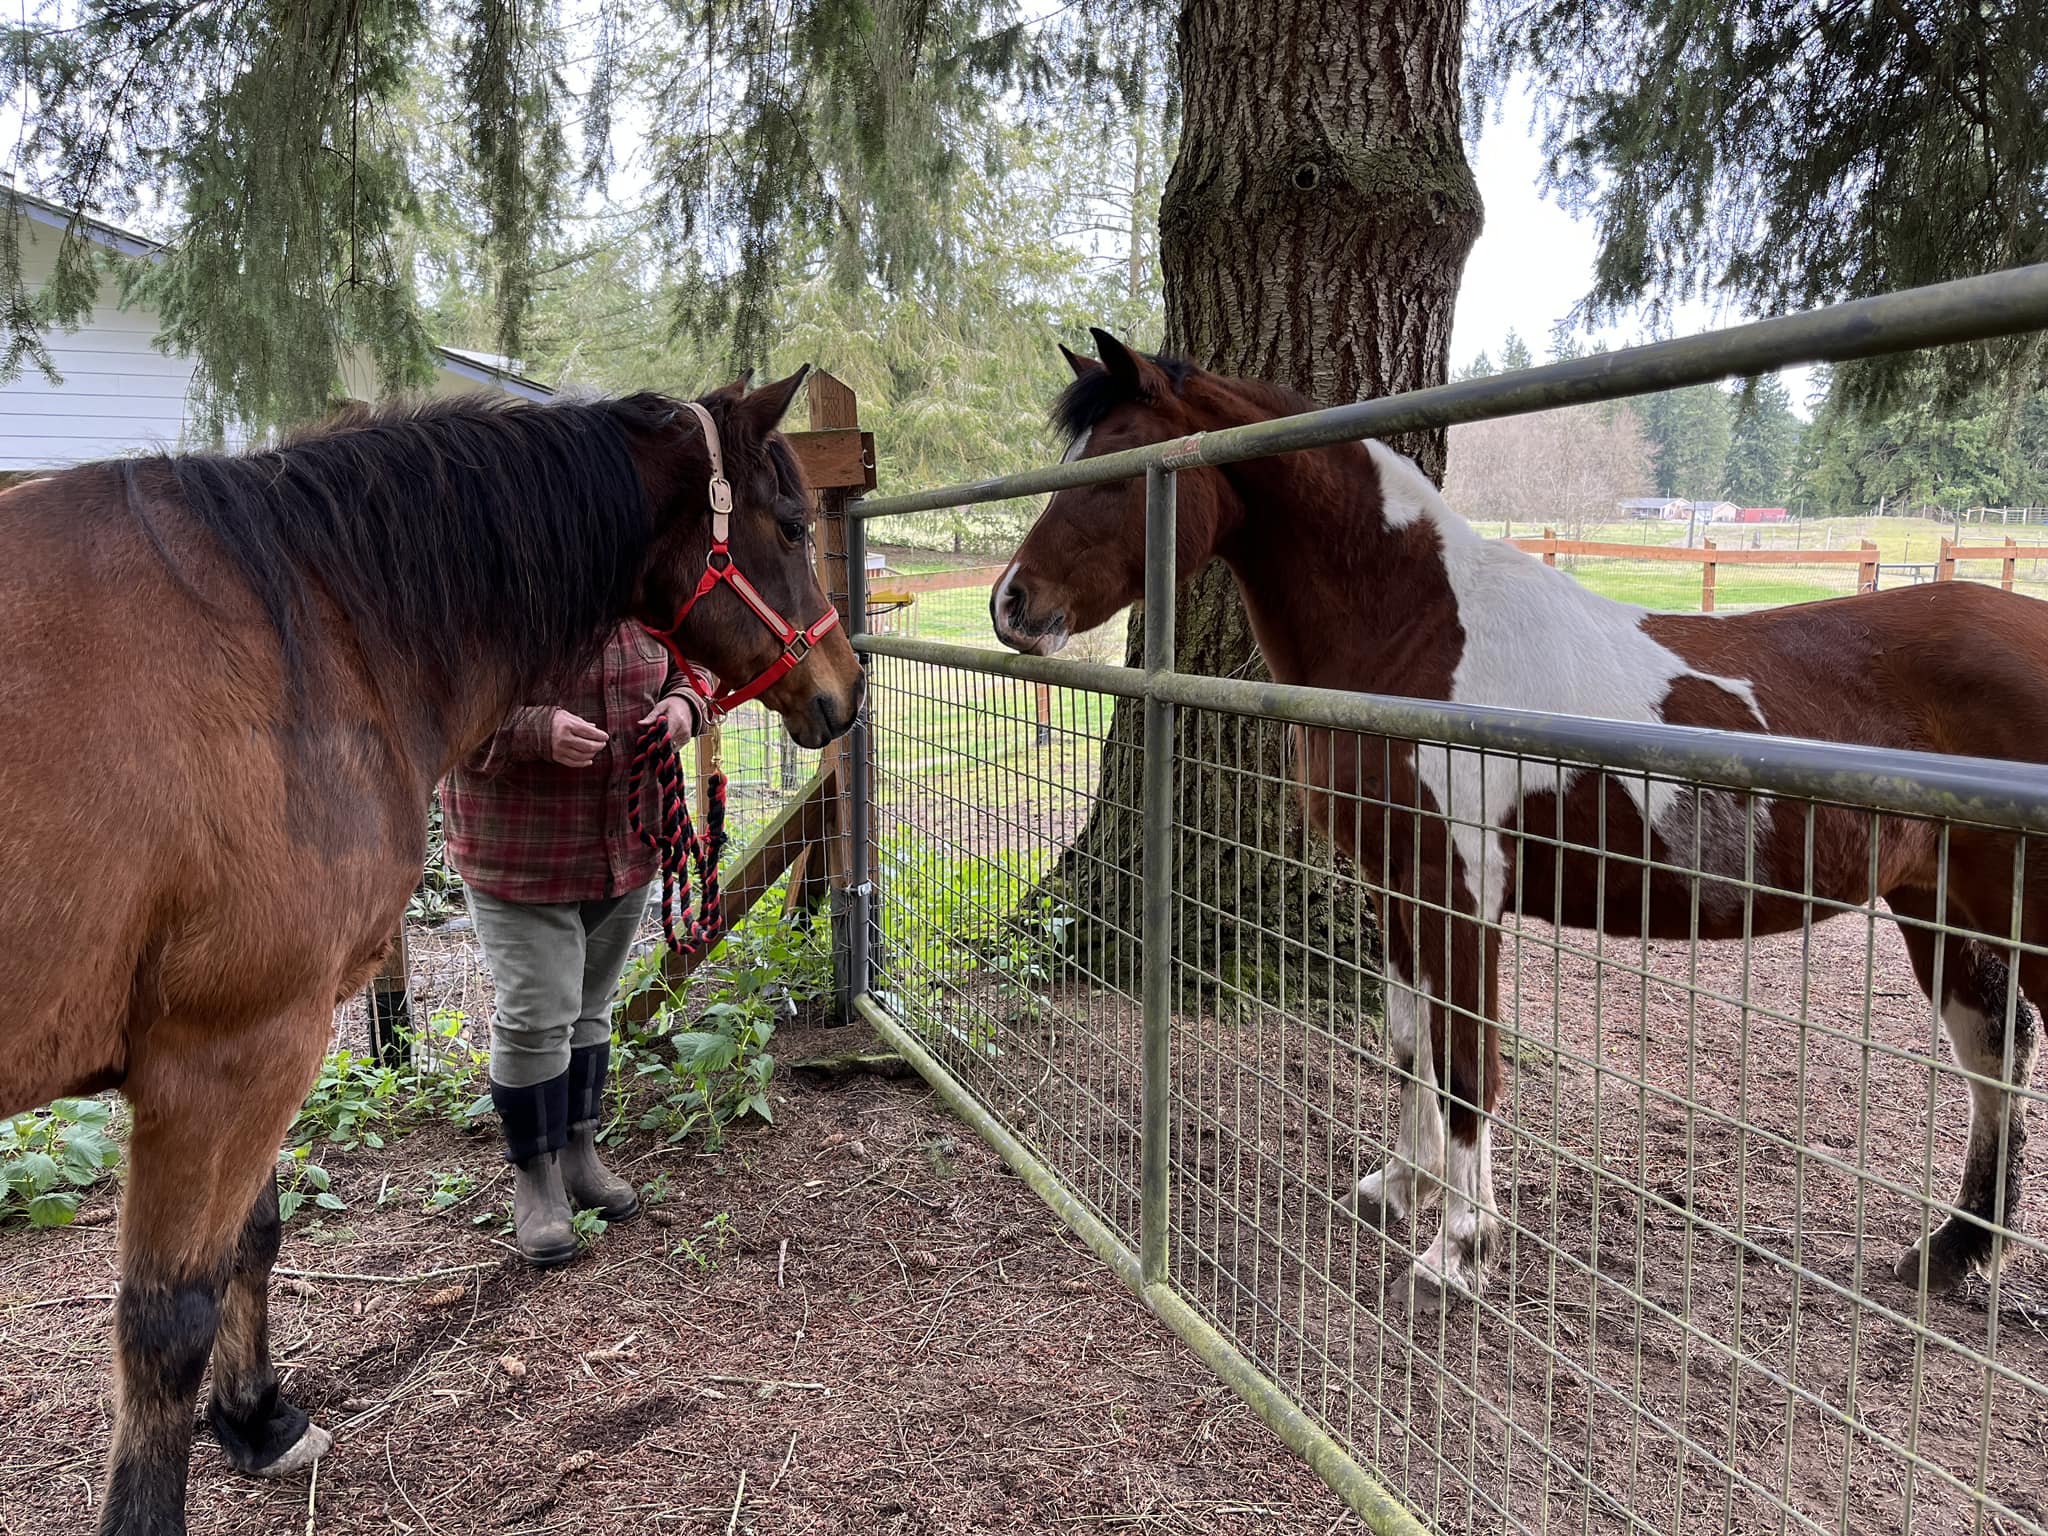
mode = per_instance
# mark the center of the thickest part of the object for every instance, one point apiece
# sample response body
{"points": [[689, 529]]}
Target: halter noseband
{"points": [[720, 570]]}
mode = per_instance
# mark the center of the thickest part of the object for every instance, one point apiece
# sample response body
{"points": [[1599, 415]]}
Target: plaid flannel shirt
{"points": [[522, 827]]}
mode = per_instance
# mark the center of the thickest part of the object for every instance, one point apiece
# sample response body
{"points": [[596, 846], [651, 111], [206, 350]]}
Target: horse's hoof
{"points": [[1429, 1293], [309, 1448], [1446, 1273], [1370, 1212], [1948, 1266]]}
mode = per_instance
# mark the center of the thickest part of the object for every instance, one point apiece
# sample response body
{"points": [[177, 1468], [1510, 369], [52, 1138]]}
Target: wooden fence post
{"points": [[387, 1005], [708, 743], [1550, 547], [833, 405], [1707, 576], [2011, 567], [1045, 714], [1866, 570], [1945, 562]]}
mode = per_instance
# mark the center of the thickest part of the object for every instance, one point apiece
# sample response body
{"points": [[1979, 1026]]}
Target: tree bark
{"points": [[1313, 233]]}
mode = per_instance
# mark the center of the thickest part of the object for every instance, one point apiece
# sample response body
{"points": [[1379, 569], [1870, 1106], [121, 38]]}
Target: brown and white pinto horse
{"points": [[1356, 575], [228, 686]]}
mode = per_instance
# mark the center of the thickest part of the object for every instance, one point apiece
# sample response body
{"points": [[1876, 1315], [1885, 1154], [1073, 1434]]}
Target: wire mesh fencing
{"points": [[1579, 1149]]}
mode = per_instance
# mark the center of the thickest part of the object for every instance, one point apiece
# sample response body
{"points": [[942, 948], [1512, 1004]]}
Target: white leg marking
{"points": [[313, 1444], [1411, 1178], [1457, 1261], [1997, 1121]]}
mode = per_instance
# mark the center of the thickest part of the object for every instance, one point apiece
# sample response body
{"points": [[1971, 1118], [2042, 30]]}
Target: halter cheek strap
{"points": [[719, 570]]}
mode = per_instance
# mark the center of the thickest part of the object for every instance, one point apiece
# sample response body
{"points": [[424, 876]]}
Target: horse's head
{"points": [[752, 612], [1084, 558]]}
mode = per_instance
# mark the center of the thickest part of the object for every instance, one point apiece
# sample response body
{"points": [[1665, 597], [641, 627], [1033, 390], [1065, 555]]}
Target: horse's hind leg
{"points": [[209, 1116], [1978, 992], [261, 1434]]}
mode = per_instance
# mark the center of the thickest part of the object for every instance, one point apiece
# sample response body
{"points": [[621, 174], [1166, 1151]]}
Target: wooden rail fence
{"points": [[1709, 557], [2008, 554]]}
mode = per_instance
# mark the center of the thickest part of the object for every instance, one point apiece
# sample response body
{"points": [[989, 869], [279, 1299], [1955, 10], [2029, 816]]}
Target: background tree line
{"points": [[1744, 443]]}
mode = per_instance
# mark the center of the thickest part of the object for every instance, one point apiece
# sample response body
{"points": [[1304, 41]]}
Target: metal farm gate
{"points": [[1709, 1154]]}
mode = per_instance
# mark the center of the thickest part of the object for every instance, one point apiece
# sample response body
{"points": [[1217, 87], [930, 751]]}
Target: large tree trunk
{"points": [[1313, 233]]}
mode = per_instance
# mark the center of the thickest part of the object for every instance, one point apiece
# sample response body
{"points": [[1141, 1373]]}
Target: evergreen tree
{"points": [[1775, 154], [1785, 155], [1924, 456], [1689, 433], [1763, 445], [1514, 353]]}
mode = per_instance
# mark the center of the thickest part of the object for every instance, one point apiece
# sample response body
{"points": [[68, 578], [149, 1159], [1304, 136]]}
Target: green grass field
{"points": [[961, 617]]}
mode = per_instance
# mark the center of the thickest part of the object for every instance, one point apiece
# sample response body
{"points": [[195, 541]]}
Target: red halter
{"points": [[719, 569]]}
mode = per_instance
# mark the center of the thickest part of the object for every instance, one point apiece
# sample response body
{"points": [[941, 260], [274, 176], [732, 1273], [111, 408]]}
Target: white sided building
{"points": [[116, 393]]}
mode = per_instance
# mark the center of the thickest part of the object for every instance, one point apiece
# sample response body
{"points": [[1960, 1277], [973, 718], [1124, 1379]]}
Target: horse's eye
{"points": [[794, 532]]}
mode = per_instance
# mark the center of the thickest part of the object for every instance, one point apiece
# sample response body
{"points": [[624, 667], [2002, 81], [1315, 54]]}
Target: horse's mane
{"points": [[441, 532], [1093, 395]]}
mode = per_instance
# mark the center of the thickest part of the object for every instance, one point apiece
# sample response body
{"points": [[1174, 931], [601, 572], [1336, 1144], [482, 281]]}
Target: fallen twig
{"points": [[737, 1499], [423, 1275], [58, 1301]]}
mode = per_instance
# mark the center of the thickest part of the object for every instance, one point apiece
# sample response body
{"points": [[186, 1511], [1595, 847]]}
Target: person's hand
{"points": [[573, 741], [681, 718]]}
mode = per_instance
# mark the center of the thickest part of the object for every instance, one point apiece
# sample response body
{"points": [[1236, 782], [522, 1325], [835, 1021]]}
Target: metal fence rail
{"points": [[1708, 1154]]}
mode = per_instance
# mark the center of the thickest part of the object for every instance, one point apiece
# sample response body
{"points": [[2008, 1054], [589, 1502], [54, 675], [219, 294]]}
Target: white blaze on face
{"points": [[999, 605], [1535, 639]]}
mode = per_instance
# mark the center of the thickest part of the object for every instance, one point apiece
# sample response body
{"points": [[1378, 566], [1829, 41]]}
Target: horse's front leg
{"points": [[1464, 950], [196, 1243], [1412, 1177]]}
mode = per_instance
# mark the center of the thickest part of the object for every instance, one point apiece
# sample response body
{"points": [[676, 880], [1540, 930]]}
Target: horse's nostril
{"points": [[1013, 604]]}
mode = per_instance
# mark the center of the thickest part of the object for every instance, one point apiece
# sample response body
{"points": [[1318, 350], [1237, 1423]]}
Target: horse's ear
{"points": [[1082, 366], [763, 410], [1133, 373], [730, 393]]}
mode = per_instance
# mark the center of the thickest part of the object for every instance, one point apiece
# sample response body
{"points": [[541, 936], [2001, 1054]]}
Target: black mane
{"points": [[442, 533], [1094, 394]]}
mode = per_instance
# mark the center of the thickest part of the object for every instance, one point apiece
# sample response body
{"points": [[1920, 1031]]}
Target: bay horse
{"points": [[1357, 575], [229, 685]]}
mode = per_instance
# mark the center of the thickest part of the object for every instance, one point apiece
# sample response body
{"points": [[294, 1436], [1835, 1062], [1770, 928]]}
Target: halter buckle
{"points": [[798, 649]]}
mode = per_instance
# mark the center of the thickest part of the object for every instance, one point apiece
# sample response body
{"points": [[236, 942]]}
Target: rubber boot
{"points": [[591, 1185], [536, 1125]]}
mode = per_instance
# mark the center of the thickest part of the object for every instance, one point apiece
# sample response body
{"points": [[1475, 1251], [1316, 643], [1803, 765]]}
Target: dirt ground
{"points": [[854, 1321], [858, 1321]]}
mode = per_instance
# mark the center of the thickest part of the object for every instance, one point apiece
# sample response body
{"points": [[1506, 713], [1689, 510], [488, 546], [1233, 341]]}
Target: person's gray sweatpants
{"points": [[556, 968]]}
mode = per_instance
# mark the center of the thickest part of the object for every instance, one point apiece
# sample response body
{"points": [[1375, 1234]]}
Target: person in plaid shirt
{"points": [[536, 823]]}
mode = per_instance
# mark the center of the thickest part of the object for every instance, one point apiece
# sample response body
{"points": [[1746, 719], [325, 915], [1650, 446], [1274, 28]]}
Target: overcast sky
{"points": [[1534, 261]]}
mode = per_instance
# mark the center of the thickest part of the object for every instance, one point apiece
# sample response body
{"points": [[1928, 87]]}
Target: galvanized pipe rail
{"points": [[1984, 791], [1970, 309]]}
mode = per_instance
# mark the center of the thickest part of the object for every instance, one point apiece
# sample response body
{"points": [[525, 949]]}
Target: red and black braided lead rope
{"points": [[677, 844]]}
